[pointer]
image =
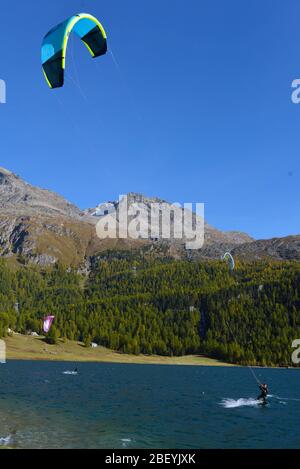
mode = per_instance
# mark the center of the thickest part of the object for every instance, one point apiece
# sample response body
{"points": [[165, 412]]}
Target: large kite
{"points": [[48, 320], [54, 47], [227, 256]]}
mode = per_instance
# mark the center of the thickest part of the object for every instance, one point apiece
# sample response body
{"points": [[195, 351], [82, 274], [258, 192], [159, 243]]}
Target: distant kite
{"points": [[48, 320], [54, 47], [227, 256]]}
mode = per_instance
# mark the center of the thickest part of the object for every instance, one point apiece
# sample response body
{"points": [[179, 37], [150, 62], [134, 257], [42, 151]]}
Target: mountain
{"points": [[287, 248], [20, 198], [146, 208], [39, 226]]}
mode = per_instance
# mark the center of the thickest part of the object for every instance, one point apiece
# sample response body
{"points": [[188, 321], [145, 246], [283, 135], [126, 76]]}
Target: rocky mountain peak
{"points": [[44, 228], [20, 198]]}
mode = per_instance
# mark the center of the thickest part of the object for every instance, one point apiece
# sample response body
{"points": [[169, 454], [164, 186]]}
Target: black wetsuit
{"points": [[264, 393]]}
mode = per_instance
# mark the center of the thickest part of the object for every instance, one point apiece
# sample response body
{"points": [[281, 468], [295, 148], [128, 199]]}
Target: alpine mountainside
{"points": [[135, 304], [41, 227], [138, 296]]}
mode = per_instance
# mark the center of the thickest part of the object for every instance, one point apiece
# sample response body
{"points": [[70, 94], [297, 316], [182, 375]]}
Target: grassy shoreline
{"points": [[21, 347]]}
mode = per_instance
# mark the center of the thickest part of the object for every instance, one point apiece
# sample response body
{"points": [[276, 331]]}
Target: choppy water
{"points": [[145, 406]]}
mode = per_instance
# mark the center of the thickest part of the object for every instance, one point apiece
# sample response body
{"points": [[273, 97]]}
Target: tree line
{"points": [[135, 304]]}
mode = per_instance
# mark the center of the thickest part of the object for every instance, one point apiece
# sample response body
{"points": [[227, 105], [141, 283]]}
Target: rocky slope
{"points": [[145, 208], [19, 198], [41, 227], [287, 248]]}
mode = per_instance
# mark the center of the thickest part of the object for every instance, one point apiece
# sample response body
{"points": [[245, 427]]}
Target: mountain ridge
{"points": [[42, 227]]}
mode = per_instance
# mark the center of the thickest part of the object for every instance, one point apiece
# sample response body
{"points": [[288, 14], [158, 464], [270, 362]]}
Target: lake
{"points": [[146, 406]]}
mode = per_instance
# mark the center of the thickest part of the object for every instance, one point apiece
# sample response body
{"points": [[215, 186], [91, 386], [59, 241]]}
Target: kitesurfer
{"points": [[264, 392]]}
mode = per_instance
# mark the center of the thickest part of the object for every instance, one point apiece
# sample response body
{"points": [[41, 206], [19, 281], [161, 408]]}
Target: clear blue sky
{"points": [[197, 110]]}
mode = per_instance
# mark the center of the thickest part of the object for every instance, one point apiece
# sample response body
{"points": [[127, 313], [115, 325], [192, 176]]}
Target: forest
{"points": [[136, 304]]}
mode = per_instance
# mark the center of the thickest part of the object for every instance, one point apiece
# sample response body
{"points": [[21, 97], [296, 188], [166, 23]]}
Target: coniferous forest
{"points": [[135, 304]]}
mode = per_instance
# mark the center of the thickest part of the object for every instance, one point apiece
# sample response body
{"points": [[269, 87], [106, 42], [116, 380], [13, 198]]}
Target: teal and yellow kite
{"points": [[54, 46]]}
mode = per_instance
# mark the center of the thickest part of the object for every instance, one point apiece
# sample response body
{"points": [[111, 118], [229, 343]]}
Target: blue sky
{"points": [[196, 108]]}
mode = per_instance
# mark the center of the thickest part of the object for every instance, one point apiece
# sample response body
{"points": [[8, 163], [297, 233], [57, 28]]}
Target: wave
{"points": [[285, 398], [70, 372], [232, 403], [125, 442]]}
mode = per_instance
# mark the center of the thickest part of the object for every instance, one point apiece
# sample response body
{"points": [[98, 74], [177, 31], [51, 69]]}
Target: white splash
{"points": [[125, 442], [232, 403]]}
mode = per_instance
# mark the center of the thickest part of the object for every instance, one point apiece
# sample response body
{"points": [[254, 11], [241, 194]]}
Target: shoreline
{"points": [[22, 347]]}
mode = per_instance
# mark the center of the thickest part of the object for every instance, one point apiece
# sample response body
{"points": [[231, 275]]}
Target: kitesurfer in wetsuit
{"points": [[264, 392]]}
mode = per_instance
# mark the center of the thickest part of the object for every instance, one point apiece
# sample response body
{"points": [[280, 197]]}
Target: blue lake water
{"points": [[145, 406]]}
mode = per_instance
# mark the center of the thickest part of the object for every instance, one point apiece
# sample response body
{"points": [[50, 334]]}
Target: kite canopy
{"points": [[227, 256], [54, 46], [48, 320]]}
